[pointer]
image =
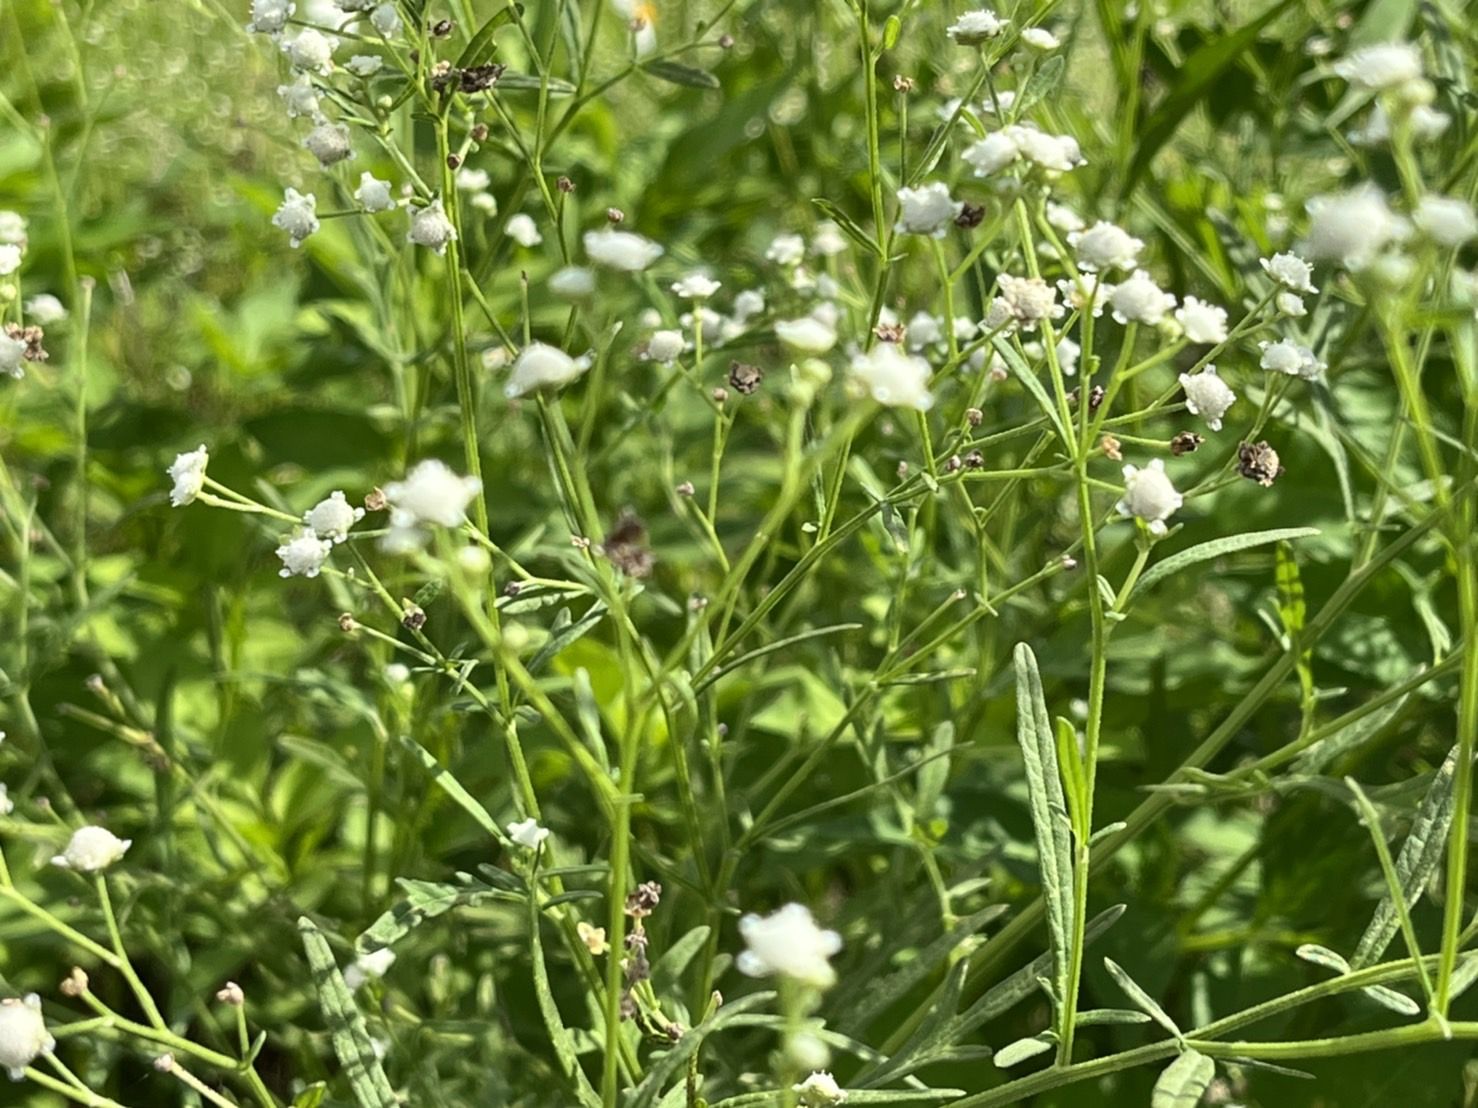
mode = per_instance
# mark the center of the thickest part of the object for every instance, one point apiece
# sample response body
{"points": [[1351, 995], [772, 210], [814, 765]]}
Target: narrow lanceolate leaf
{"points": [[679, 74], [1183, 1081], [1140, 997], [1390, 998], [559, 1034], [454, 788], [1042, 84], [1323, 956], [347, 1031], [1015, 1053], [1395, 890], [1029, 380], [1204, 552], [1415, 864], [423, 900], [1097, 1017], [1049, 811], [482, 45]]}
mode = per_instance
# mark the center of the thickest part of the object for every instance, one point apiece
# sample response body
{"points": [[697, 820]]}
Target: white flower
{"points": [[1290, 271], [12, 228], [1063, 217], [1446, 220], [641, 17], [1140, 300], [6, 804], [12, 357], [188, 474], [928, 210], [329, 143], [312, 51], [1351, 227], [297, 215], [332, 517], [991, 154], [527, 833], [431, 228], [1383, 66], [894, 378], [368, 967], [786, 250], [91, 850], [1287, 356], [522, 230], [573, 282], [539, 364], [22, 1034], [1290, 304], [1029, 300], [1149, 495], [469, 179], [829, 239], [1039, 38], [1058, 153], [622, 250], [789, 943], [1423, 121], [923, 330], [373, 194], [431, 493], [303, 555], [820, 1090], [1105, 246], [808, 335], [365, 65], [1207, 396], [696, 286], [485, 202], [270, 16], [1077, 293], [300, 98], [973, 28], [1068, 353], [665, 346], [10, 258], [386, 20], [1202, 322], [750, 302]]}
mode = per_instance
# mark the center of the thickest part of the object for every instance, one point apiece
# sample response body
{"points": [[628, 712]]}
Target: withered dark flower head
{"points": [[626, 546], [745, 378], [643, 902], [480, 78], [889, 332], [1186, 442], [971, 215], [1259, 462], [32, 336]]}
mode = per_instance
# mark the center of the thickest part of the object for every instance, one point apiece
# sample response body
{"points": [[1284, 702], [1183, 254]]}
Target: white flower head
{"points": [[23, 1034], [303, 555], [894, 378], [312, 51], [10, 258], [973, 28], [470, 179], [927, 210], [270, 16], [329, 143], [1207, 396], [788, 942], [1386, 65], [991, 154], [12, 228], [431, 493], [665, 346], [332, 517], [1105, 246], [188, 474], [1029, 300], [786, 250], [373, 194], [527, 833], [820, 1090], [1292, 358], [1351, 228], [1140, 300], [1055, 153], [696, 286], [623, 250], [297, 215], [1039, 38], [829, 239], [365, 65], [523, 230], [807, 335], [386, 20], [1077, 293], [1290, 304], [1290, 271], [539, 365], [1202, 322], [12, 357], [368, 967], [750, 302], [572, 282], [923, 330], [1064, 218], [1446, 220], [1068, 353], [1149, 496], [299, 97], [91, 850], [431, 228]]}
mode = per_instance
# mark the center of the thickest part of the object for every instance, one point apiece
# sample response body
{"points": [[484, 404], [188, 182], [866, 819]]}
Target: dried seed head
{"points": [[441, 28], [697, 602], [626, 546], [955, 464], [453, 161], [375, 501], [1110, 447], [414, 618], [1069, 562], [643, 902], [1259, 462], [480, 78], [903, 84], [348, 623], [971, 215], [974, 417], [721, 396], [479, 130], [513, 588], [565, 185], [615, 215], [685, 489], [745, 378], [1186, 442], [32, 336], [974, 460], [889, 332], [75, 983]]}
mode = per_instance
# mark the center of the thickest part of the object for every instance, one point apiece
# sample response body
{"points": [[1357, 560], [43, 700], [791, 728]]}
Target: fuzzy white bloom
{"points": [[373, 194], [484, 202], [12, 228], [522, 230], [1140, 300], [354, 6], [1077, 294], [431, 228], [973, 28], [368, 967], [297, 215], [1294, 359], [527, 833], [1064, 218], [1383, 66], [12, 357], [365, 65], [469, 179], [894, 378], [991, 154], [923, 330], [641, 17], [1202, 322], [1105, 246], [431, 493], [299, 97], [270, 16], [820, 1090], [329, 143], [1352, 227], [1039, 38], [750, 302], [788, 942], [386, 20], [1068, 353], [1029, 300], [1423, 121], [1207, 396], [1290, 304], [10, 258], [696, 286], [665, 346], [303, 555], [1149, 495], [829, 239], [927, 210], [573, 282], [312, 51], [539, 364], [623, 250], [91, 850], [332, 517], [1057, 153], [786, 250], [6, 804], [1446, 220], [808, 335], [1290, 271], [188, 474], [23, 1034]]}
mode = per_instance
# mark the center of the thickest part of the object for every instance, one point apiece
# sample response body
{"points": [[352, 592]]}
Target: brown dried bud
{"points": [[974, 417], [32, 336], [565, 185], [720, 396], [643, 902], [626, 546], [480, 78], [744, 377], [1095, 398], [1186, 442], [453, 161], [75, 984], [975, 460], [375, 501], [414, 618], [615, 215], [971, 215], [903, 84], [348, 623], [1259, 462], [955, 464], [1110, 447], [441, 28], [230, 993], [479, 131], [889, 332]]}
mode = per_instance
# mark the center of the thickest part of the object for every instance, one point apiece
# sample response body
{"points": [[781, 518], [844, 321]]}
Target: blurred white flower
{"points": [[623, 250], [527, 833], [991, 154], [270, 16], [1039, 38], [973, 28], [1077, 293], [696, 286], [522, 230], [484, 202], [368, 967], [469, 179], [1294, 359], [641, 17], [12, 357], [1423, 122], [431, 493], [1202, 322], [299, 97], [923, 330], [1140, 300], [332, 517], [91, 850], [1149, 495], [750, 302], [786, 250], [386, 20], [894, 378], [1105, 246], [303, 555], [431, 228], [928, 210], [10, 258], [12, 228], [23, 1034], [1063, 217], [1207, 396], [188, 474], [788, 942], [808, 335], [1290, 304], [829, 239], [1352, 227], [297, 215], [1446, 220], [312, 51], [1068, 353], [1290, 271], [1058, 153], [373, 194], [1383, 66], [1029, 300], [573, 282], [539, 364], [820, 1090], [665, 346], [365, 65], [329, 143]]}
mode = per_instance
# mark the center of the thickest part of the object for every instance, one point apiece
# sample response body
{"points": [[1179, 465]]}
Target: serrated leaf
{"points": [[1323, 956], [347, 1031], [1015, 1053], [1203, 552], [1390, 998], [1140, 997], [1183, 1081], [679, 74]]}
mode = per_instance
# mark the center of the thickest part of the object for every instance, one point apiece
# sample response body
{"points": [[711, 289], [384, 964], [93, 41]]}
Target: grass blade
{"points": [[1183, 1081], [1204, 552], [347, 1030]]}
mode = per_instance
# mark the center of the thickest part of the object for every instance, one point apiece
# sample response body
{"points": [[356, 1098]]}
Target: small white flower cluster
{"points": [[1026, 143], [527, 833], [974, 28], [788, 943], [539, 365], [23, 1034], [927, 210], [13, 242], [430, 495], [91, 849], [1149, 496], [894, 378]]}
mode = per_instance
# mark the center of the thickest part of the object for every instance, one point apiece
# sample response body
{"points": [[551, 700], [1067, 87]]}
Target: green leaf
{"points": [[347, 1031], [665, 1068], [1390, 998], [1023, 373], [679, 74], [312, 1096], [891, 30], [1204, 552], [1183, 1081], [1042, 84], [848, 225], [423, 900], [1323, 956], [482, 47], [1096, 1017], [1015, 1053], [1140, 997], [449, 784], [559, 1035], [564, 631], [527, 82], [1196, 78]]}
